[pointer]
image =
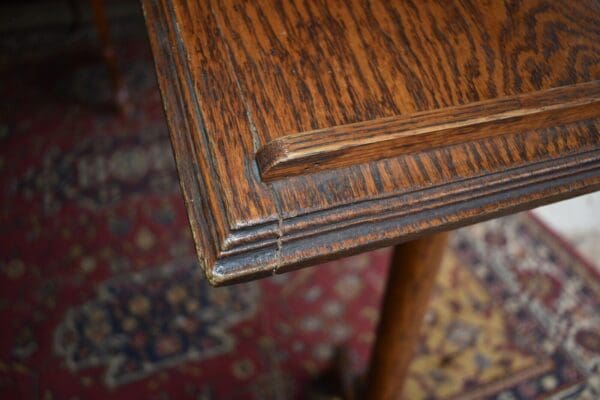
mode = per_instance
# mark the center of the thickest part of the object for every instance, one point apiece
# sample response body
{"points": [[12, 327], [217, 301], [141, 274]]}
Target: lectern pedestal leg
{"points": [[411, 278]]}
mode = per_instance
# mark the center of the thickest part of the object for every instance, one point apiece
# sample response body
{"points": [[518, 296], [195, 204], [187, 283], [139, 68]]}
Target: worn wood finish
{"points": [[237, 75], [410, 281], [377, 139]]}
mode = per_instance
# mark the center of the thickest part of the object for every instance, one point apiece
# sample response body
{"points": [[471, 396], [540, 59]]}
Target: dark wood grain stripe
{"points": [[378, 139]]}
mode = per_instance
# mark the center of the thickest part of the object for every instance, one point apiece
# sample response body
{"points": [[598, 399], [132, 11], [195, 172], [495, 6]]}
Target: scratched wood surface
{"points": [[239, 75]]}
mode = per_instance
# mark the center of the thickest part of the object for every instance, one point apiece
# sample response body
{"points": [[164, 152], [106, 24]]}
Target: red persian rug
{"points": [[100, 295]]}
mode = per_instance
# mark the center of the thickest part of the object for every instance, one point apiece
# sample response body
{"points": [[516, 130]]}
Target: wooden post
{"points": [[120, 95], [411, 278]]}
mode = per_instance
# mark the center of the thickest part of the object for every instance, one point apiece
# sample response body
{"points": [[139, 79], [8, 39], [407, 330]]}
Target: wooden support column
{"points": [[411, 278]]}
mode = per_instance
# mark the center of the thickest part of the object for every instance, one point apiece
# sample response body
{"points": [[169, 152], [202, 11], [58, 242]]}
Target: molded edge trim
{"points": [[537, 184], [362, 142]]}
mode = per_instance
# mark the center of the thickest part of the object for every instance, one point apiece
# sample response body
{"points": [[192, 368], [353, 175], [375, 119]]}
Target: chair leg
{"points": [[120, 95], [411, 278]]}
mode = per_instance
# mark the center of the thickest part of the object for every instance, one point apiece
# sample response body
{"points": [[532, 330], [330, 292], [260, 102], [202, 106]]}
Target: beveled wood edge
{"points": [[391, 222], [207, 218], [171, 91], [428, 199], [423, 199], [177, 88], [344, 145]]}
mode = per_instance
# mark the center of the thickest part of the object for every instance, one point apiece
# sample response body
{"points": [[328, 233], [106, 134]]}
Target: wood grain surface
{"points": [[237, 75]]}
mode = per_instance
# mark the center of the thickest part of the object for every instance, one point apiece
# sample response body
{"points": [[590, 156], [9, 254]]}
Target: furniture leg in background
{"points": [[120, 95], [411, 278]]}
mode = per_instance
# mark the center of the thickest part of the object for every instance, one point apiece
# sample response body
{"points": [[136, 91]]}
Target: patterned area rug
{"points": [[100, 296]]}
